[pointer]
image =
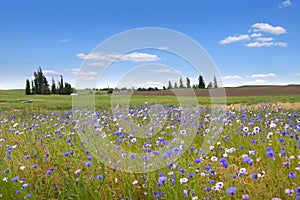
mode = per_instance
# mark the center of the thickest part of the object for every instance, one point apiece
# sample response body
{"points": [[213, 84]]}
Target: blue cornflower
{"points": [[86, 151], [191, 175], [281, 139], [15, 179], [88, 164], [254, 176], [270, 153], [292, 175], [18, 191], [297, 191], [35, 166], [231, 190], [27, 156], [68, 140], [162, 179], [197, 160], [28, 195], [100, 176], [89, 157], [182, 171]]}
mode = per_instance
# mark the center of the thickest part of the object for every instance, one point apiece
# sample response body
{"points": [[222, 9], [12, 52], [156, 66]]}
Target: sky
{"points": [[250, 42]]}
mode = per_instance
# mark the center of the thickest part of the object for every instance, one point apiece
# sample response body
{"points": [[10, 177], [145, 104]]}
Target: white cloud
{"points": [[256, 35], [96, 64], [265, 27], [135, 57], [84, 73], [51, 73], [266, 43], [233, 77], [285, 3], [259, 44], [281, 44], [259, 81], [231, 39], [264, 39], [269, 75], [162, 71]]}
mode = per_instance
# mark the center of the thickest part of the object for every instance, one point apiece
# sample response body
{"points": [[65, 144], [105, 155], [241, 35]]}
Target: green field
{"points": [[16, 99]]}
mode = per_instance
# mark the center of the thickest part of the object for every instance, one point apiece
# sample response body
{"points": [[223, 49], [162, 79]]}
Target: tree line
{"points": [[39, 85], [201, 84]]}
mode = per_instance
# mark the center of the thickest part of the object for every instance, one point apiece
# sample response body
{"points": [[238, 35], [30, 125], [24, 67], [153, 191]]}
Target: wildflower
{"points": [[182, 171], [28, 195], [35, 166], [214, 159], [220, 185], [254, 176], [270, 153], [100, 176], [289, 192], [77, 171], [197, 160], [88, 164], [183, 180], [214, 188], [89, 157], [186, 193], [18, 191], [15, 179], [231, 190], [22, 168], [245, 197], [292, 175], [297, 190]]}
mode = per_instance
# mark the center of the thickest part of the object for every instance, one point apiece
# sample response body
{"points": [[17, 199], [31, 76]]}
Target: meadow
{"points": [[47, 153]]}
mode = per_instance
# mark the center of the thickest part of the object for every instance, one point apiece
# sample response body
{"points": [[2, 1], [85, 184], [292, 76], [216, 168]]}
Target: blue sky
{"points": [[251, 42]]}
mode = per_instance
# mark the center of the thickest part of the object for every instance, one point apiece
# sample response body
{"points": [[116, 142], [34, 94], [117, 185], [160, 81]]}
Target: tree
{"points": [[27, 89], [201, 82], [188, 82], [180, 83], [164, 88], [170, 85], [210, 85], [40, 83], [61, 85], [68, 89], [53, 87], [33, 87], [215, 82], [175, 85]]}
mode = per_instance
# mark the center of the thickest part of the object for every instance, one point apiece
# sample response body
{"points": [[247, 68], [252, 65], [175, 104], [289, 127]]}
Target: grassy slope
{"points": [[16, 99]]}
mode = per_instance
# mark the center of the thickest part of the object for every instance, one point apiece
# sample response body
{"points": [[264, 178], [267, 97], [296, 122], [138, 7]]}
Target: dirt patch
{"points": [[241, 91]]}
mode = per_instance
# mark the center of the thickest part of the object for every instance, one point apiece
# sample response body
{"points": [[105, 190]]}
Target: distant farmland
{"points": [[238, 91]]}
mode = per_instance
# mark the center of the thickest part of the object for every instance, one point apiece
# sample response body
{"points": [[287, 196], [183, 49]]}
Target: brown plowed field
{"points": [[240, 91]]}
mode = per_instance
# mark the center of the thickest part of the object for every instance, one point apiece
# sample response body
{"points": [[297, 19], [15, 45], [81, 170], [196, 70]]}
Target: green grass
{"points": [[16, 99], [47, 132]]}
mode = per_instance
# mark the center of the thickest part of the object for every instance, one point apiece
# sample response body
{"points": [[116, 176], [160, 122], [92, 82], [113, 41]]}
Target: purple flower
{"points": [[28, 195], [89, 157], [286, 164], [88, 164], [35, 166], [292, 175], [15, 179], [254, 176], [182, 171], [197, 160], [68, 140], [231, 190], [18, 191], [100, 176], [270, 153], [245, 197], [297, 190], [27, 156]]}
